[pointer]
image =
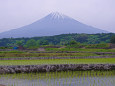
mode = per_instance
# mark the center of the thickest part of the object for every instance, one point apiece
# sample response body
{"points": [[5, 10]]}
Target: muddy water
{"points": [[77, 78]]}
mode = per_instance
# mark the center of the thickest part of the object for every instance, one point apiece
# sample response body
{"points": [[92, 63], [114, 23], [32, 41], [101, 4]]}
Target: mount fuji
{"points": [[52, 24]]}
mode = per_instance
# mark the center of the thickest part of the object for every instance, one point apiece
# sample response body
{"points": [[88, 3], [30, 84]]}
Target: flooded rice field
{"points": [[70, 78]]}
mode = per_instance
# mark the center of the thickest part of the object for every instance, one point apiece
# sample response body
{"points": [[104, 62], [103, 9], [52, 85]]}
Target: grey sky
{"points": [[97, 13]]}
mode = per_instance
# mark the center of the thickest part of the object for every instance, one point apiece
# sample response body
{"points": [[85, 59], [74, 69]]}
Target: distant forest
{"points": [[62, 39]]}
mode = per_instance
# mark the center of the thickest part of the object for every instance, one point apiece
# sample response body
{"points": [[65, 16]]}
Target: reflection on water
{"points": [[77, 78]]}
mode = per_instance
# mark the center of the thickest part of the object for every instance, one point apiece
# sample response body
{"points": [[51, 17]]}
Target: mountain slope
{"points": [[52, 24]]}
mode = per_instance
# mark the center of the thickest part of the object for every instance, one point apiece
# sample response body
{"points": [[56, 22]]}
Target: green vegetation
{"points": [[64, 39], [67, 78], [26, 54], [65, 45], [80, 49], [59, 61], [31, 43], [13, 51], [101, 46], [113, 39], [55, 52]]}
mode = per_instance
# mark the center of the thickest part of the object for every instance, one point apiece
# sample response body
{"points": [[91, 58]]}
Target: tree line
{"points": [[63, 39]]}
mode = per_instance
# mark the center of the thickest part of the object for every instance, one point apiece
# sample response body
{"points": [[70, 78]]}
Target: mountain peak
{"points": [[53, 24], [57, 15]]}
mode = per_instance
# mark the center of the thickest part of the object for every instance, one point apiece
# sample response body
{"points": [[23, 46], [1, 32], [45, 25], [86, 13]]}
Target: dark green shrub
{"points": [[103, 46]]}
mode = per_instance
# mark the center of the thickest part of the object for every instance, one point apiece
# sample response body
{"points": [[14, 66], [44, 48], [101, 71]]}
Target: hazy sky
{"points": [[97, 13]]}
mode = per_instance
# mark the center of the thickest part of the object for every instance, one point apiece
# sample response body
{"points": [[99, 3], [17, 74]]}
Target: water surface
{"points": [[77, 78]]}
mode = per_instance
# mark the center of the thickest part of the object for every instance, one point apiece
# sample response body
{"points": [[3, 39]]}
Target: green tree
{"points": [[31, 43], [20, 42], [72, 42], [112, 40], [44, 42], [82, 38], [63, 42], [38, 43]]}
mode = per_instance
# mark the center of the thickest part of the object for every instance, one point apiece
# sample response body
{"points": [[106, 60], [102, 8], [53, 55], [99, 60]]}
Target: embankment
{"points": [[54, 68], [34, 58]]}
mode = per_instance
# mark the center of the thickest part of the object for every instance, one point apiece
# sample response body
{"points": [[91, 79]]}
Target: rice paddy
{"points": [[65, 78], [68, 78], [36, 54], [80, 49], [59, 61]]}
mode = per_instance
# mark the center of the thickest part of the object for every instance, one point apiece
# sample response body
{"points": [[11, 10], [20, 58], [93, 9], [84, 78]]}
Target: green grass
{"points": [[13, 51], [80, 49], [82, 53], [59, 61], [26, 54]]}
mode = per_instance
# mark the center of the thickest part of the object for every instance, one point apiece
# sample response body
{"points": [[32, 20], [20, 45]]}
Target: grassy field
{"points": [[59, 61], [10, 54], [26, 54], [80, 49], [53, 53]]}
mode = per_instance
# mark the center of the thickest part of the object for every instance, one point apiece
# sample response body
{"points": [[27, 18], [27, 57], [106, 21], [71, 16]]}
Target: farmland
{"points": [[59, 61], [67, 78], [38, 68], [57, 52]]}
